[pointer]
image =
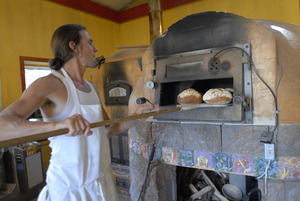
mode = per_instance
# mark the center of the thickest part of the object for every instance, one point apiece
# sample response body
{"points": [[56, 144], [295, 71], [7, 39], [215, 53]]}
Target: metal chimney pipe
{"points": [[155, 19]]}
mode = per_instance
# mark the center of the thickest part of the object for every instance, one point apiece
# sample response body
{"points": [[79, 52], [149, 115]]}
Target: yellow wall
{"points": [[26, 27], [279, 10], [135, 32]]}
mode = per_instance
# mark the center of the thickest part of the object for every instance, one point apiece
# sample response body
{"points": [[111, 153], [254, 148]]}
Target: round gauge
{"points": [[150, 84]]}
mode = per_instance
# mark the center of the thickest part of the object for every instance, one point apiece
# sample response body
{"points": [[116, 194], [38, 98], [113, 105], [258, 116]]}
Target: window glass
{"points": [[33, 73]]}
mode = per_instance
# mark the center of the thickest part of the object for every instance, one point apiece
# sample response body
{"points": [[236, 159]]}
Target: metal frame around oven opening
{"points": [[168, 64]]}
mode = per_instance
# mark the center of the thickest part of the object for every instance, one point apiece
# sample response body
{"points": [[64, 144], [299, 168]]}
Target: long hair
{"points": [[60, 44]]}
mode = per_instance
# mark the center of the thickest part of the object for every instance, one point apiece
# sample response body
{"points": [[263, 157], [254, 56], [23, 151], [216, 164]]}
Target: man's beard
{"points": [[96, 62]]}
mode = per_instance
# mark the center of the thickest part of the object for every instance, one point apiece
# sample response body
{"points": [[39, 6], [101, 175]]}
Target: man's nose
{"points": [[95, 49]]}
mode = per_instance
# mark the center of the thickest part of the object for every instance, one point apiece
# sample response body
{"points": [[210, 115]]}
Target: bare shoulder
{"points": [[47, 84], [42, 91], [48, 89], [52, 88], [52, 93]]}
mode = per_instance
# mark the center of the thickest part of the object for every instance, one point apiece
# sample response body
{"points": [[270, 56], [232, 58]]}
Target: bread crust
{"points": [[189, 96], [217, 96]]}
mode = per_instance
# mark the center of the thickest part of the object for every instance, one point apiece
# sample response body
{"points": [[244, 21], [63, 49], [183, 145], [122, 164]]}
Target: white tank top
{"points": [[79, 166], [88, 98], [85, 98]]}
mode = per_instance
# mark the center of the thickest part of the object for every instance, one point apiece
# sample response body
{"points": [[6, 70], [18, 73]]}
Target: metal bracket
{"points": [[214, 65], [247, 83], [266, 137]]}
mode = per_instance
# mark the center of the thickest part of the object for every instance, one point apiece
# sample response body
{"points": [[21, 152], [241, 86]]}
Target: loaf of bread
{"points": [[189, 96], [230, 90], [217, 96]]}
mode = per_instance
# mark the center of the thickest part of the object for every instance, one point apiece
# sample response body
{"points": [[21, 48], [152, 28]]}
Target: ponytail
{"points": [[60, 44]]}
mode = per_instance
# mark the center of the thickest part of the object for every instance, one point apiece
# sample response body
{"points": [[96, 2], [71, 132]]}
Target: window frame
{"points": [[22, 67]]}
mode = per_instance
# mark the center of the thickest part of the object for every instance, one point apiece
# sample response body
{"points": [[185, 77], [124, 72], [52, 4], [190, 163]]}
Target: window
{"points": [[32, 73], [33, 68]]}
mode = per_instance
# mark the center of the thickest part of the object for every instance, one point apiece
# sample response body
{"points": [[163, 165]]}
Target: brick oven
{"points": [[258, 59]]}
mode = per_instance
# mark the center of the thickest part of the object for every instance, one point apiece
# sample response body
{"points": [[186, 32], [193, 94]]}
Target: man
{"points": [[79, 164]]}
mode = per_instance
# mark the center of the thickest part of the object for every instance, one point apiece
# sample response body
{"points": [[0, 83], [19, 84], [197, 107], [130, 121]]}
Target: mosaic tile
{"points": [[222, 162], [289, 168], [203, 160], [282, 168], [185, 157], [169, 155], [134, 146], [157, 153], [242, 164], [137, 148], [144, 150], [260, 167]]}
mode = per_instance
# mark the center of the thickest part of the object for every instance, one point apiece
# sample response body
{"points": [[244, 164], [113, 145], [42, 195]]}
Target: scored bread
{"points": [[217, 96], [189, 96]]}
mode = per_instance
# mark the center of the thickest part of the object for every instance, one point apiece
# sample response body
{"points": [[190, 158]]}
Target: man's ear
{"points": [[72, 45]]}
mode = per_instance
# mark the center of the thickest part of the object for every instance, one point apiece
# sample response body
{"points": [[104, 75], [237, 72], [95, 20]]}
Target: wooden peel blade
{"points": [[45, 135]]}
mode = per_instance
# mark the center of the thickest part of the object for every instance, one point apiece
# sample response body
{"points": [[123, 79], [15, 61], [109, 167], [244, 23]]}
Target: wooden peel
{"points": [[45, 135]]}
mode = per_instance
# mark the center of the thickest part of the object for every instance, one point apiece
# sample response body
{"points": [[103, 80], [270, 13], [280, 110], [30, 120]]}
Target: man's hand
{"points": [[77, 125], [146, 109], [116, 129]]}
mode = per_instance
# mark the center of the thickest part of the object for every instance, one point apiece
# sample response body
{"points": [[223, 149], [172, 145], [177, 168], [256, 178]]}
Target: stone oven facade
{"points": [[261, 60]]}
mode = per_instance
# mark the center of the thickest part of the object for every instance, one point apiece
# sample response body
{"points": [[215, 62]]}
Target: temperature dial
{"points": [[150, 84]]}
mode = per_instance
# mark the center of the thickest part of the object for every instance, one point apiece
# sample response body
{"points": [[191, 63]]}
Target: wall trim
{"points": [[119, 17]]}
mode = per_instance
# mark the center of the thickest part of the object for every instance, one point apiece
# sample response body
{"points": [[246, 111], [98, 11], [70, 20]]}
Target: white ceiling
{"points": [[117, 5]]}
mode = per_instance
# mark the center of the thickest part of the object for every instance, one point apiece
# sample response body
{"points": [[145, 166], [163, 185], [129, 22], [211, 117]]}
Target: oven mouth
{"points": [[226, 67], [169, 91]]}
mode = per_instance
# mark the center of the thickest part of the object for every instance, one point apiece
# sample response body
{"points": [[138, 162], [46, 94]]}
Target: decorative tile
{"points": [[222, 162], [157, 153], [185, 157], [137, 148], [289, 168], [282, 168], [260, 165], [169, 155], [134, 146], [144, 150], [243, 164], [203, 160]]}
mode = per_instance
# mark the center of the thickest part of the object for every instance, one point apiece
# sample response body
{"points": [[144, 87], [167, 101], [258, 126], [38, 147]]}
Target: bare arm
{"points": [[12, 118], [123, 126]]}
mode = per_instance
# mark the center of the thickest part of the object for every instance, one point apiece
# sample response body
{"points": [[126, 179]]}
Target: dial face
{"points": [[117, 92], [150, 84]]}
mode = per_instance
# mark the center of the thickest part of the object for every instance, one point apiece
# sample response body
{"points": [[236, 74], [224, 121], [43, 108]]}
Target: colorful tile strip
{"points": [[287, 168]]}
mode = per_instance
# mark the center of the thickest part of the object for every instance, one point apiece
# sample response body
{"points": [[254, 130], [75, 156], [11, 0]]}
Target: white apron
{"points": [[79, 166]]}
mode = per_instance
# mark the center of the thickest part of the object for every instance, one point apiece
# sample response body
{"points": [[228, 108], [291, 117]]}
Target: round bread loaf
{"points": [[189, 96], [230, 90], [217, 96]]}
